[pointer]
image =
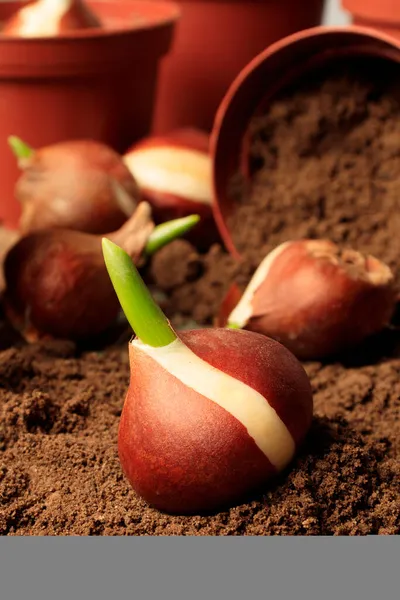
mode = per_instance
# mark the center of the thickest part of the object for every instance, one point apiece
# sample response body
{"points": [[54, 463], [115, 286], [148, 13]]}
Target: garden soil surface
{"points": [[325, 160]]}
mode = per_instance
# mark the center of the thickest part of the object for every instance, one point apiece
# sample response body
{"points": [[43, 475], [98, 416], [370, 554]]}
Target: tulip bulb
{"points": [[174, 174], [211, 414], [316, 298], [81, 185], [46, 18], [56, 282]]}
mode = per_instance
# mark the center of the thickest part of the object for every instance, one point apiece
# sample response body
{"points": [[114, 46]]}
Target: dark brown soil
{"points": [[60, 475], [330, 153]]}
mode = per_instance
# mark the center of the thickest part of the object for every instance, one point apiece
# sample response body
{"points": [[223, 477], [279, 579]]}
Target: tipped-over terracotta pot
{"points": [[383, 15], [258, 83], [92, 83], [215, 39]]}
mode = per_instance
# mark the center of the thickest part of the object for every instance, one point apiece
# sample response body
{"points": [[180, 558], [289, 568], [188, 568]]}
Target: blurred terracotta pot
{"points": [[215, 39], [94, 83], [383, 15], [255, 87]]}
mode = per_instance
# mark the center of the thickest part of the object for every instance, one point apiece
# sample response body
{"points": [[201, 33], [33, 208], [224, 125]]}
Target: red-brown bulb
{"points": [[174, 174], [316, 298], [81, 185], [57, 284], [211, 418]]}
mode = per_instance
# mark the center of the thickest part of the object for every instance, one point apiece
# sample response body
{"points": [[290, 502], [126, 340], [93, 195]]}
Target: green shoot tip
{"points": [[20, 149], [167, 232], [143, 314]]}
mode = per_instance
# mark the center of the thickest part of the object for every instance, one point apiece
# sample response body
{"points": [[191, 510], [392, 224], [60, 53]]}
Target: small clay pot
{"points": [[258, 83], [383, 15], [94, 83], [215, 39]]}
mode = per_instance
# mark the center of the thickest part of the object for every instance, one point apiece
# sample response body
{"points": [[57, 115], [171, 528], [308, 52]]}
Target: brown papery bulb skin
{"points": [[317, 299], [57, 284], [46, 18], [195, 446], [81, 185]]}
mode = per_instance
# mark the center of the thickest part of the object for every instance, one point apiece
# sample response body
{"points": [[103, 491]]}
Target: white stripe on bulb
{"points": [[181, 172], [243, 310], [244, 403]]}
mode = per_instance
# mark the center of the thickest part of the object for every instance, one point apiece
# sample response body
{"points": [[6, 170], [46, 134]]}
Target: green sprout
{"points": [[144, 315], [20, 149], [167, 232]]}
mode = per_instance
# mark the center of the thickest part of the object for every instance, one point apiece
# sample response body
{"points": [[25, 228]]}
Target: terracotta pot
{"points": [[97, 84], [383, 15], [215, 39], [257, 84]]}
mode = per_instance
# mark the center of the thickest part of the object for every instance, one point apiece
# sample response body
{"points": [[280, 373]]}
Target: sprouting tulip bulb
{"points": [[209, 416]]}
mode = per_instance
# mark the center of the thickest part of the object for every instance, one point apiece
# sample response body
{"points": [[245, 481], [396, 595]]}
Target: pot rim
{"points": [[172, 14], [226, 156]]}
